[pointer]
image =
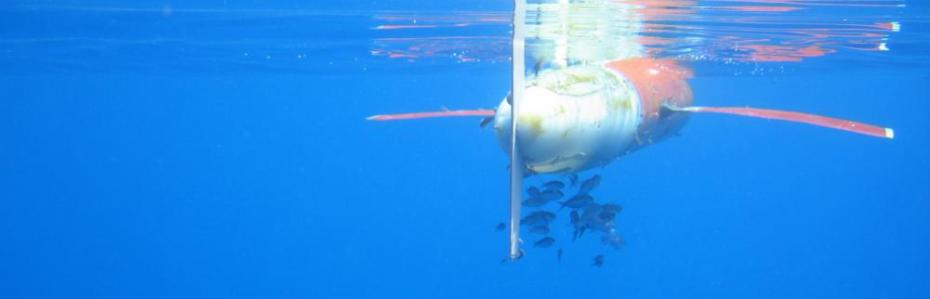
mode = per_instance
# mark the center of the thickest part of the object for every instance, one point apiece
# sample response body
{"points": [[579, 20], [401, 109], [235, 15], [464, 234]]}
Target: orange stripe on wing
{"points": [[791, 116]]}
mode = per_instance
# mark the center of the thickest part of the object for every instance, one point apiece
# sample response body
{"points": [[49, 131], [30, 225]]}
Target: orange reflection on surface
{"points": [[655, 41], [760, 8], [731, 30], [395, 27], [821, 3], [757, 30], [781, 53], [663, 10], [890, 26]]}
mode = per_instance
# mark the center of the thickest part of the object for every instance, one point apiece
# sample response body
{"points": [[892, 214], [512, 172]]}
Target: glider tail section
{"points": [[798, 117]]}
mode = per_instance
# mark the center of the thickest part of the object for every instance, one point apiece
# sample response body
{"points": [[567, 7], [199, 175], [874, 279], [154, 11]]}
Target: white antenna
{"points": [[516, 164]]}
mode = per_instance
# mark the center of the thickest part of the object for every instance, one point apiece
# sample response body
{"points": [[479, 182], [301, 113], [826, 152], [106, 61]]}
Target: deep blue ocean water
{"points": [[220, 150]]}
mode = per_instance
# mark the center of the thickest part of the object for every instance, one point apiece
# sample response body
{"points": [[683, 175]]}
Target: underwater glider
{"points": [[583, 116]]}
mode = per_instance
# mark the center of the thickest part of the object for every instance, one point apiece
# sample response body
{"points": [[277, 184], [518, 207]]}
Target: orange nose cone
{"points": [[658, 82]]}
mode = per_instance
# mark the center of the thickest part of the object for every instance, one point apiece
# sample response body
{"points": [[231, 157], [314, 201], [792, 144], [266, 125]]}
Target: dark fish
{"points": [[526, 171], [598, 261], [540, 229], [606, 216], [533, 192], [612, 239], [538, 199], [612, 207], [501, 226], [573, 179], [554, 185], [579, 201], [535, 202], [558, 255], [486, 121], [513, 258], [537, 66], [608, 212], [550, 195], [596, 217], [589, 184], [538, 218], [544, 242], [579, 231], [576, 222]]}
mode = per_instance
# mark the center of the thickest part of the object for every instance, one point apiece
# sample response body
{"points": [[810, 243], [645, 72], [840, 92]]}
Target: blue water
{"points": [[144, 155]]}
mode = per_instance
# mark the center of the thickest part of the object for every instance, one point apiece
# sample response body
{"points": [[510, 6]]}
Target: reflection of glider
{"points": [[579, 117]]}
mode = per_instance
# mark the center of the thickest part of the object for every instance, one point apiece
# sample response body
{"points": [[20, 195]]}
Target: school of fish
{"points": [[584, 214]]}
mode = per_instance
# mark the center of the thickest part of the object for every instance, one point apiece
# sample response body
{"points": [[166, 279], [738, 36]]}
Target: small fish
{"points": [[579, 231], [612, 207], [576, 222], [612, 239], [535, 202], [608, 212], [500, 226], [558, 255], [606, 216], [596, 217], [526, 171], [589, 184], [598, 261], [573, 179], [554, 185], [537, 66], [538, 218], [540, 229], [579, 201], [544, 242], [533, 192], [485, 121], [550, 195], [513, 258]]}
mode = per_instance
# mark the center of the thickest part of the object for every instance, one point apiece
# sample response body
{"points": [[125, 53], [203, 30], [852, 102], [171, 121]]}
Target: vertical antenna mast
{"points": [[516, 164]]}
